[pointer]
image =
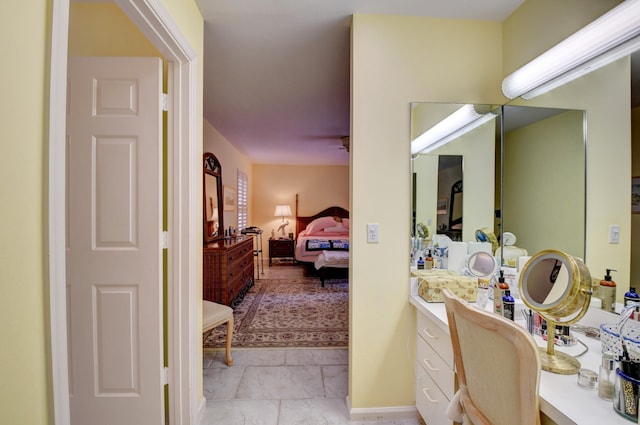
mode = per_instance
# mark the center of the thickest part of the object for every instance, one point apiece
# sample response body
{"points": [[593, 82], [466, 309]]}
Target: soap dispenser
{"points": [[607, 291]]}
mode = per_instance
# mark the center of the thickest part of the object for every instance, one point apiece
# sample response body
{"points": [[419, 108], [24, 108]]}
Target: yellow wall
{"points": [[25, 370], [23, 217], [317, 186], [397, 60], [231, 160]]}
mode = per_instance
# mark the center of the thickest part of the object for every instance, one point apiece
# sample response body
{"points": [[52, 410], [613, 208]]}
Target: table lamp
{"points": [[283, 211]]}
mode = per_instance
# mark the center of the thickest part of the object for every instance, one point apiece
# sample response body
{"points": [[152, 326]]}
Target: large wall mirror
{"points": [[544, 182], [523, 171], [212, 201], [454, 177]]}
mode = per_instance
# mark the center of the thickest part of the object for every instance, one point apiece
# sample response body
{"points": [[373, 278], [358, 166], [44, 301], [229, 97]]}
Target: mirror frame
{"points": [[212, 167]]}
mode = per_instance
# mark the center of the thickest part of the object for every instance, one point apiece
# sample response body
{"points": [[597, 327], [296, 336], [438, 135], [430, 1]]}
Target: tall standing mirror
{"points": [[212, 200]]}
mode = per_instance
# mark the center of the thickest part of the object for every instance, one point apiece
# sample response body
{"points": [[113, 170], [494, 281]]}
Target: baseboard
{"points": [[381, 413], [200, 413]]}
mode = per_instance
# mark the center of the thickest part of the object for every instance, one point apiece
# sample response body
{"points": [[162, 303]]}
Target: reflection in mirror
{"points": [[544, 178], [482, 264], [475, 147], [212, 199], [450, 196]]}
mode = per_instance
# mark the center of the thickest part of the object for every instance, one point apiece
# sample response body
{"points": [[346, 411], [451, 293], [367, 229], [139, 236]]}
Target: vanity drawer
{"points": [[430, 401], [436, 368], [436, 338]]}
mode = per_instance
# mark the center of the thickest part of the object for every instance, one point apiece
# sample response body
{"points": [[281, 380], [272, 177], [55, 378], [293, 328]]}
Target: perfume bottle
{"points": [[606, 377]]}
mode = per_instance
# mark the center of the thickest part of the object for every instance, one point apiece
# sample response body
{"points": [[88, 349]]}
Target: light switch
{"points": [[373, 233], [614, 233]]}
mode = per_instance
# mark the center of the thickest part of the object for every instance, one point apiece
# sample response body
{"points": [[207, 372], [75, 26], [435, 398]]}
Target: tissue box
{"points": [[430, 287]]}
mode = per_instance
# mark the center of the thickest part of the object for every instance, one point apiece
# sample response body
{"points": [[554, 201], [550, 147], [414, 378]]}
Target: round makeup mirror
{"points": [[558, 287], [481, 264]]}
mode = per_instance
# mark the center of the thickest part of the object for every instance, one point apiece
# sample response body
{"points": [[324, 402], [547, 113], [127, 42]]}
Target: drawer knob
{"points": [[426, 331], [428, 364], [426, 394]]}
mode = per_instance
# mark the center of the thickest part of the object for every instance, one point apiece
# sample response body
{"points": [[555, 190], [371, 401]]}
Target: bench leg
{"points": [[229, 338]]}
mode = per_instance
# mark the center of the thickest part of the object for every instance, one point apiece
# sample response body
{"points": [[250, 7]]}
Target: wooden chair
{"points": [[497, 366], [214, 315]]}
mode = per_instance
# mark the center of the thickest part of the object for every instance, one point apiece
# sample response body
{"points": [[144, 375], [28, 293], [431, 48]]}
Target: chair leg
{"points": [[229, 338]]}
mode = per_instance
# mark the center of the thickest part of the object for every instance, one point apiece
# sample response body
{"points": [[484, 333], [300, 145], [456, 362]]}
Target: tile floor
{"points": [[280, 386]]}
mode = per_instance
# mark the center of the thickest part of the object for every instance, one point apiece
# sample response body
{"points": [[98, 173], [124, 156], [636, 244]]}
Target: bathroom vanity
{"points": [[561, 399]]}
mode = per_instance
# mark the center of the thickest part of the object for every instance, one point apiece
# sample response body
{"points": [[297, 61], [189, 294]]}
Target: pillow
{"points": [[338, 228], [319, 224]]}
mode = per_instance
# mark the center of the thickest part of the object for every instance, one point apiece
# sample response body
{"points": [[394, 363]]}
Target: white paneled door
{"points": [[114, 267]]}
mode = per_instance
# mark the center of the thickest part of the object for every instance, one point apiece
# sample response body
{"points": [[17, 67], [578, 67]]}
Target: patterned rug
{"points": [[288, 313]]}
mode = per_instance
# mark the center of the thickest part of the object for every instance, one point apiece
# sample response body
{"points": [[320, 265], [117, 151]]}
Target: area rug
{"points": [[288, 313]]}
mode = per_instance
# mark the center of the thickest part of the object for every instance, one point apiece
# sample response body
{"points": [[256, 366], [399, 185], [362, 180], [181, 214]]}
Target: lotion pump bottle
{"points": [[428, 263], [607, 291], [499, 289]]}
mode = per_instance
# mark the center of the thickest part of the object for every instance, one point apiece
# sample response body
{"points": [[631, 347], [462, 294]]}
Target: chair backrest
{"points": [[497, 365]]}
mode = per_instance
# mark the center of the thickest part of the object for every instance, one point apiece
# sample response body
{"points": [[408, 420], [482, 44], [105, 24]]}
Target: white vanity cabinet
{"points": [[435, 377]]}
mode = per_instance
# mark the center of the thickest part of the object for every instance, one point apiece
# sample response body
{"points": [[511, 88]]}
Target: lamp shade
{"points": [[616, 27], [282, 211]]}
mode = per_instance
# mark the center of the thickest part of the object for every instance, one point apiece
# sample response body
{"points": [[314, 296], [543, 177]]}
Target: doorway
{"points": [[183, 193]]}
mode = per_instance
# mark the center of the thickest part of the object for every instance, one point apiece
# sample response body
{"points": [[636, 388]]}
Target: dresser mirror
{"points": [[212, 199], [454, 179]]}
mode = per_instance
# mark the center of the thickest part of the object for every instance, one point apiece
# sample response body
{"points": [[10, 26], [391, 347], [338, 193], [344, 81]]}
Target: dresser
{"points": [[435, 377], [227, 270]]}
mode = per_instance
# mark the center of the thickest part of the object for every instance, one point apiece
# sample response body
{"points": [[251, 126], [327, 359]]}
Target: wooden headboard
{"points": [[302, 222]]}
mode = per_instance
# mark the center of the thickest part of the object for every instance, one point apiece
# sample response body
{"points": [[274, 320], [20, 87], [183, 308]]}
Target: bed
{"points": [[323, 240]]}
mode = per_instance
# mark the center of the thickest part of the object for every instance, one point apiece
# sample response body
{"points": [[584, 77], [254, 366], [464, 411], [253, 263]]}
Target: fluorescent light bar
{"points": [[611, 30], [450, 128], [458, 133]]}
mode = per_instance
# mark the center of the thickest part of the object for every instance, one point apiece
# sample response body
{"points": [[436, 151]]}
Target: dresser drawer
{"points": [[430, 401], [435, 367], [237, 253], [436, 338]]}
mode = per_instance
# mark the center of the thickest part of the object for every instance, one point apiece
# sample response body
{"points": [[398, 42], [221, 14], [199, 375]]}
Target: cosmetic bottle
{"points": [[508, 305], [632, 297], [428, 262], [420, 264], [607, 291], [499, 289], [606, 377]]}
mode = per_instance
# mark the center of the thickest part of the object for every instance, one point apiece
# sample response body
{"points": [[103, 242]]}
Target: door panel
{"points": [[114, 272]]}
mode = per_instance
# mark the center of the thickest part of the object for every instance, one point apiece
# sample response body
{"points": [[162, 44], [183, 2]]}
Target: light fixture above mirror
{"points": [[612, 36]]}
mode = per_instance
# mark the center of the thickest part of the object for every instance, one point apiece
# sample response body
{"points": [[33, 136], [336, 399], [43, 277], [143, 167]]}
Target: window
{"points": [[242, 200]]}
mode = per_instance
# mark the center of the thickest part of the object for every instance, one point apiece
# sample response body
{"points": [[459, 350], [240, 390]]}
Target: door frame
{"points": [[153, 20]]}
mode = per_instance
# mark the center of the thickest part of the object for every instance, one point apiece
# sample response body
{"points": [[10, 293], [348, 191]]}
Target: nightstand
{"points": [[282, 248]]}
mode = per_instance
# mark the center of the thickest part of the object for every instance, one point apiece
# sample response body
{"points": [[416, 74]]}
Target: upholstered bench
{"points": [[213, 315]]}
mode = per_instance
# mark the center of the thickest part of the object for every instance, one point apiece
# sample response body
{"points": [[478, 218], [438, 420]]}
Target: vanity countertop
{"points": [[561, 399]]}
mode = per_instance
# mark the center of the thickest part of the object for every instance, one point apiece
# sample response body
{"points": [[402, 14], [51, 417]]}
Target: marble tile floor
{"points": [[280, 387]]}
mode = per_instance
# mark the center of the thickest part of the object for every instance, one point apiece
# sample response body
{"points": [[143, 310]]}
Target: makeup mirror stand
{"points": [[558, 287]]}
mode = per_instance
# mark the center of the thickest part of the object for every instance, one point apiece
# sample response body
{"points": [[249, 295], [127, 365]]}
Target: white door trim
{"points": [[155, 22]]}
